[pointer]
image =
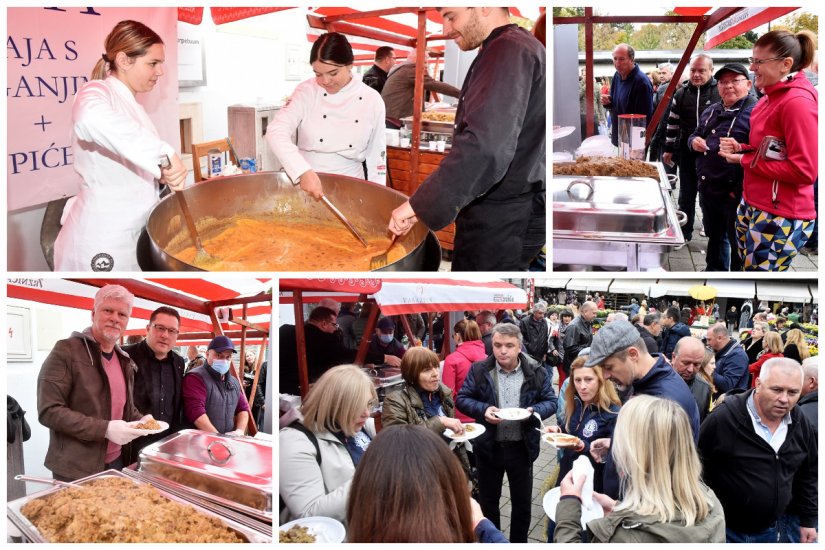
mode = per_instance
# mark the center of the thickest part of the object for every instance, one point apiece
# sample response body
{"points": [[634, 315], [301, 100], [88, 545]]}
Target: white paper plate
{"points": [[550, 438], [551, 500], [325, 530], [477, 430], [513, 413], [163, 427], [563, 131]]}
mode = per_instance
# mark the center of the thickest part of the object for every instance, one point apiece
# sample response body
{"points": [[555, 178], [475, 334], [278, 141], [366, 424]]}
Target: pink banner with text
{"points": [[50, 53]]}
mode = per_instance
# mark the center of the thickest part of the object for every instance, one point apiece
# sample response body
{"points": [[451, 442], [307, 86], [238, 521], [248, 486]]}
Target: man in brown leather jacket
{"points": [[85, 393]]}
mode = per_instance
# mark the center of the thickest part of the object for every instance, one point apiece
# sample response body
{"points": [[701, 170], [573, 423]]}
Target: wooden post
{"points": [[418, 97], [301, 343]]}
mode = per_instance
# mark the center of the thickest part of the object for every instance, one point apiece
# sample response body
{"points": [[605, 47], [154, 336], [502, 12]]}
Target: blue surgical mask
{"points": [[385, 338], [221, 366]]}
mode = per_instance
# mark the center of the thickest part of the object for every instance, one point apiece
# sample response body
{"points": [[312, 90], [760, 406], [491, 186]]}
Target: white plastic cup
{"points": [[405, 142], [440, 146], [433, 145]]}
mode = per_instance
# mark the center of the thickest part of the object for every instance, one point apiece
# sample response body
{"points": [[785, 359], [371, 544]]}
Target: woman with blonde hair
{"points": [[318, 455], [118, 155], [706, 369], [771, 347], [664, 499], [590, 409], [795, 346]]}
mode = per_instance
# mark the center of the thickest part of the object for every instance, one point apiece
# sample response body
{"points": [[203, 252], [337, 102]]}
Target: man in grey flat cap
{"points": [[621, 352]]}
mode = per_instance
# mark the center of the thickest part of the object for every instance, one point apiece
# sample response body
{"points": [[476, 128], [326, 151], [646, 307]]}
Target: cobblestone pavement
{"points": [[692, 257]]}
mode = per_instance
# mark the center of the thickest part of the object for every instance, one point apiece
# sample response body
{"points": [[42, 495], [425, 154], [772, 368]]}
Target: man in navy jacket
{"points": [[731, 360], [507, 379], [631, 92]]}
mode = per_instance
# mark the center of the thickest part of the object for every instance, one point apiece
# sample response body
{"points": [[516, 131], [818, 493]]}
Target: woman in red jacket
{"points": [[776, 216], [771, 347], [469, 349]]}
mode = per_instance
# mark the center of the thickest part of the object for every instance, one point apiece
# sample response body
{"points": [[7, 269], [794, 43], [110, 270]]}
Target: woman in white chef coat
{"points": [[118, 154], [339, 122]]}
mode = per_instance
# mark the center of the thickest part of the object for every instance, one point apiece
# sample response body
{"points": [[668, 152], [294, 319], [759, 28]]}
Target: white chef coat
{"points": [[336, 133], [116, 151]]}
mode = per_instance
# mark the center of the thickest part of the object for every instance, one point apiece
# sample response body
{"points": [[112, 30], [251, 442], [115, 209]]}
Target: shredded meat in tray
{"points": [[118, 510]]}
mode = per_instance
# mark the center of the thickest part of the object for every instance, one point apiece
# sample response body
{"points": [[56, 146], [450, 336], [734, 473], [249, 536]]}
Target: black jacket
{"points": [[577, 336], [536, 337], [754, 484], [688, 103], [493, 181], [650, 340], [808, 405], [324, 350], [147, 398], [375, 78], [702, 393], [479, 392]]}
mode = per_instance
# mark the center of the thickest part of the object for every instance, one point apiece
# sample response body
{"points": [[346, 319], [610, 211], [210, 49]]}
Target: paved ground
{"points": [[542, 468], [692, 257]]}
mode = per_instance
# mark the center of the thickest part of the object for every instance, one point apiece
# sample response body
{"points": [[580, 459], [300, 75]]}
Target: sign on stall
{"points": [[50, 54]]}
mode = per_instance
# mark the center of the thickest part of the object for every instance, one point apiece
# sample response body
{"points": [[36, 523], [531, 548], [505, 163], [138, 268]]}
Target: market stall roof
{"points": [[733, 288], [591, 285], [630, 286], [189, 296], [550, 282], [673, 287], [784, 291], [396, 296], [814, 292], [746, 19]]}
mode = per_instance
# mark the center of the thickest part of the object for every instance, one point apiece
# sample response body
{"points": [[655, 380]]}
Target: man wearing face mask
{"points": [[212, 398], [384, 341]]}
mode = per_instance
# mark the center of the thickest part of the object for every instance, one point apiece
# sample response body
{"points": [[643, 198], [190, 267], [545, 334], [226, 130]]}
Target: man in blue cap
{"points": [[212, 398]]}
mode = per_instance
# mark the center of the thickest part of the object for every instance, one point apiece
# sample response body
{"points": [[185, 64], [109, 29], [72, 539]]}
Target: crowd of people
{"points": [[90, 390], [742, 139], [686, 446]]}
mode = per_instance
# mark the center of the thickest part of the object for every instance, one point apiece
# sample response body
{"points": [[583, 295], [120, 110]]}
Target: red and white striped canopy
{"points": [[187, 295], [365, 34], [396, 296], [742, 21]]}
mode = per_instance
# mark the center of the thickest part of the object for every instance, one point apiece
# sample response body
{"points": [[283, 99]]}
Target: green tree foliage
{"points": [[740, 42], [798, 21], [647, 38]]}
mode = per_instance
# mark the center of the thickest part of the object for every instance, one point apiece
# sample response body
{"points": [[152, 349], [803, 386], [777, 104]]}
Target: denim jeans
{"points": [[770, 534], [789, 528]]}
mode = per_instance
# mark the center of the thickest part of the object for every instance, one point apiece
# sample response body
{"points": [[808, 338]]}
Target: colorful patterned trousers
{"points": [[767, 242]]}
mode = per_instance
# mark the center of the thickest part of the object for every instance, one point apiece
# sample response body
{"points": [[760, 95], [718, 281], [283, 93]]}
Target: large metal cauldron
{"points": [[366, 204]]}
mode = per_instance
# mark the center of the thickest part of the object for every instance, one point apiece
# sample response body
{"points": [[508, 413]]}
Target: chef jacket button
{"points": [[350, 146], [325, 116], [322, 140], [325, 94], [360, 98], [356, 122]]}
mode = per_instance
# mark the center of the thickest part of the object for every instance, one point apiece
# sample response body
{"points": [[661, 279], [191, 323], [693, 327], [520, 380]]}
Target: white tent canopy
{"points": [[590, 285], [733, 288], [783, 291], [552, 282], [673, 287], [630, 286]]}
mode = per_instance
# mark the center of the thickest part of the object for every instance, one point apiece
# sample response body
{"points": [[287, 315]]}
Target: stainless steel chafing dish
{"points": [[613, 222], [32, 534], [235, 472], [431, 129]]}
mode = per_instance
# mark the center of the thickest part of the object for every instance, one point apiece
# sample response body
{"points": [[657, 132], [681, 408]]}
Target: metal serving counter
{"points": [[233, 472], [613, 222], [32, 534]]}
